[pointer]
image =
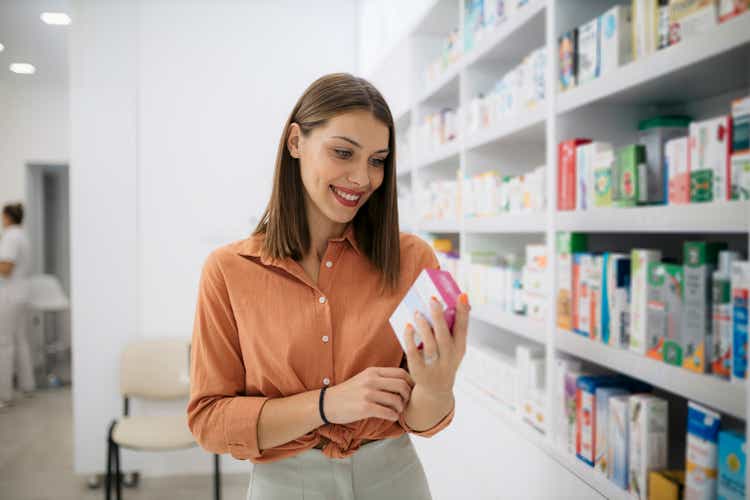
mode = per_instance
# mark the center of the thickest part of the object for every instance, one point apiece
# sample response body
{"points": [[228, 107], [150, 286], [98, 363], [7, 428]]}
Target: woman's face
{"points": [[6, 221], [342, 162]]}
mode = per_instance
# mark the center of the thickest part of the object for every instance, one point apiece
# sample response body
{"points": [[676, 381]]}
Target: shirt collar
{"points": [[253, 246]]}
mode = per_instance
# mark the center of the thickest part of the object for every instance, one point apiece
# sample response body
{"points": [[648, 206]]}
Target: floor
{"points": [[36, 459]]}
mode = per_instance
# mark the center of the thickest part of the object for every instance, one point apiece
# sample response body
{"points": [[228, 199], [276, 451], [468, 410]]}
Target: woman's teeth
{"points": [[346, 196]]}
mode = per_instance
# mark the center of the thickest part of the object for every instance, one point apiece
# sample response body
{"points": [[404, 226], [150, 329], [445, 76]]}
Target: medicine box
{"points": [[586, 160], [645, 22], [589, 66], [690, 18], [564, 395], [648, 441], [721, 304], [701, 452], [667, 484], [740, 292], [640, 260], [430, 283], [741, 125], [566, 173], [570, 408], [654, 134], [709, 155], [583, 275], [601, 421], [677, 170], [740, 176], [568, 53], [666, 284], [586, 425], [700, 259], [615, 308], [596, 287], [616, 38], [567, 245], [618, 442], [604, 162], [732, 8], [732, 464], [629, 178]]}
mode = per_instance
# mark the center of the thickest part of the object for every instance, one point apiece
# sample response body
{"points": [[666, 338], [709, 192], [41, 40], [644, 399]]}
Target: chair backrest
{"points": [[156, 369]]}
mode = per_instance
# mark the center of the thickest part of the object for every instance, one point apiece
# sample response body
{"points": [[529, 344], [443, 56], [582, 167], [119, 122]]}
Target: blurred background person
{"points": [[15, 268]]}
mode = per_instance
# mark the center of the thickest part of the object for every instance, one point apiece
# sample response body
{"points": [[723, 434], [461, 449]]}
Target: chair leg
{"points": [[118, 478], [217, 477], [108, 476]]}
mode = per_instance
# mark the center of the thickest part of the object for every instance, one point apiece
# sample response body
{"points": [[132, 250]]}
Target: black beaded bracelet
{"points": [[320, 405]]}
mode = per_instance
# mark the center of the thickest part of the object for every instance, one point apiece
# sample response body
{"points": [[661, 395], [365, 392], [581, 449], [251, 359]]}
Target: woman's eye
{"points": [[378, 161], [343, 153]]}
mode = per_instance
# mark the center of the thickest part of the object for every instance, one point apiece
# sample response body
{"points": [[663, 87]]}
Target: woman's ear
{"points": [[293, 140]]}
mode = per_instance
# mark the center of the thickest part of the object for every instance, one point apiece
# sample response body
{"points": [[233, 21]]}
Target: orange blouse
{"points": [[264, 330]]}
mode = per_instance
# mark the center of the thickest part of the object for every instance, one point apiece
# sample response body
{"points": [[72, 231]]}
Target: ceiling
{"points": [[27, 39]]}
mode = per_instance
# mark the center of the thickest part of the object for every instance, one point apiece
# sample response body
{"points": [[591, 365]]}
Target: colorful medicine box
{"points": [[667, 484], [604, 162], [649, 416], [740, 176], [618, 442], [732, 464], [709, 157], [628, 181], [586, 423], [601, 442], [741, 125], [700, 259], [691, 18], [615, 326], [568, 53], [567, 245], [583, 274], [666, 284], [586, 162], [654, 134], [566, 173], [740, 293], [616, 38], [721, 304], [701, 452], [640, 260], [732, 8], [430, 283], [677, 171], [589, 64]]}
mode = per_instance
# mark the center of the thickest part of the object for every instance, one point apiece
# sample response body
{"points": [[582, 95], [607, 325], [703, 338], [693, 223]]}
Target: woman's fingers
{"points": [[413, 357], [461, 324], [428, 338], [397, 386], [440, 327], [388, 399]]}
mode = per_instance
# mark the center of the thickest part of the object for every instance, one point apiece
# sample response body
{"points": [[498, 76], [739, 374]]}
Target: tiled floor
{"points": [[36, 459]]}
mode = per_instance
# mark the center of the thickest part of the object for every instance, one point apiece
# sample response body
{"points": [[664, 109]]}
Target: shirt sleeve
{"points": [[9, 248], [426, 258], [220, 416]]}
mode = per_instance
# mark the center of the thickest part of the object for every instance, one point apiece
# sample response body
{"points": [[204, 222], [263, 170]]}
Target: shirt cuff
{"points": [[241, 426], [444, 422]]}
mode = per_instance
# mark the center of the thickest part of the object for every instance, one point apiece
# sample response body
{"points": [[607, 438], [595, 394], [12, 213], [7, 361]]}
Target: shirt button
{"points": [[325, 338], [322, 300], [326, 381], [329, 264]]}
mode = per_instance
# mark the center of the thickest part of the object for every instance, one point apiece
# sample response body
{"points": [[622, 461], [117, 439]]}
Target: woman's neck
{"points": [[321, 230]]}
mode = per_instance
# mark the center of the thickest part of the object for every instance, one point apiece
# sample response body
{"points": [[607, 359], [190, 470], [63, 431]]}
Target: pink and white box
{"points": [[430, 283]]}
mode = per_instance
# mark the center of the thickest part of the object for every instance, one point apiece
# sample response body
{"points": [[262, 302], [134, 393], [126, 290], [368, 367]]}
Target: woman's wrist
{"points": [[427, 407]]}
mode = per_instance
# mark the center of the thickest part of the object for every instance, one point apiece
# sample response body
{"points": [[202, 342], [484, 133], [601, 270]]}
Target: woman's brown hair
{"points": [[284, 221], [14, 212]]}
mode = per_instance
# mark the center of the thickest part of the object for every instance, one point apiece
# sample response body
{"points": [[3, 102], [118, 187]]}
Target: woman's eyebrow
{"points": [[386, 150]]}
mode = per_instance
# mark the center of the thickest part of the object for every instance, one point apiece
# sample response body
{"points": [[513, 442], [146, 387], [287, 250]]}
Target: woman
{"points": [[15, 268], [294, 364]]}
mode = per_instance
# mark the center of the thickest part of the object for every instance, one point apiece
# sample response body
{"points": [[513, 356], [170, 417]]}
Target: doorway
{"points": [[48, 229]]}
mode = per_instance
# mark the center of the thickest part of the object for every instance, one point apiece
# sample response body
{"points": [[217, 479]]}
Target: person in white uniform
{"points": [[15, 268]]}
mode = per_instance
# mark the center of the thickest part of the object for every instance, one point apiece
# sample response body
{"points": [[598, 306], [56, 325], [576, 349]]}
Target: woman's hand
{"points": [[374, 392], [435, 372]]}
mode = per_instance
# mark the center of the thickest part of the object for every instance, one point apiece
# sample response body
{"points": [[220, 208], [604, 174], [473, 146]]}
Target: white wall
{"points": [[34, 127], [176, 110]]}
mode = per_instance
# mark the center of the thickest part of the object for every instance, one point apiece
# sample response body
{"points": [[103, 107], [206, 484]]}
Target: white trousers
{"points": [[15, 351], [385, 469]]}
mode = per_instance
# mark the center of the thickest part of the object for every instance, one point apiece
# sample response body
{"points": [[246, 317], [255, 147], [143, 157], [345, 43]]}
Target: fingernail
{"points": [[416, 315], [409, 327], [464, 299]]}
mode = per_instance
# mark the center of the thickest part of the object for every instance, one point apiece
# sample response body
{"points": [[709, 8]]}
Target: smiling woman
{"points": [[295, 365]]}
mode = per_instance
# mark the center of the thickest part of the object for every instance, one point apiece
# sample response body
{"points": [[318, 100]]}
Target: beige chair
{"points": [[153, 370]]}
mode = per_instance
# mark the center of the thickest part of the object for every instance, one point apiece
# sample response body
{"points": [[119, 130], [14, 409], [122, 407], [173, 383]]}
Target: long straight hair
{"points": [[284, 221]]}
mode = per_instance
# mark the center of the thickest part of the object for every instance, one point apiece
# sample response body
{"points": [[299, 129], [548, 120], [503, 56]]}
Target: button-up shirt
{"points": [[264, 329]]}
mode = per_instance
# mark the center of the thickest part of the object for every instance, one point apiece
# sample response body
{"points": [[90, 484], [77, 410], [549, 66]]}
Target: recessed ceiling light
{"points": [[22, 68], [56, 18]]}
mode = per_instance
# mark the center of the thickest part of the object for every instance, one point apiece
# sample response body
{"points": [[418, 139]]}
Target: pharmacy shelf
{"points": [[404, 169], [718, 217], [445, 88], [510, 419], [530, 222], [725, 396], [522, 326], [706, 66], [444, 152], [527, 127], [513, 39], [439, 226]]}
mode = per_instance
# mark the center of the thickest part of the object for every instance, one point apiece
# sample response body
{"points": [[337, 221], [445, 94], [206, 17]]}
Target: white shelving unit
{"points": [[698, 77]]}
